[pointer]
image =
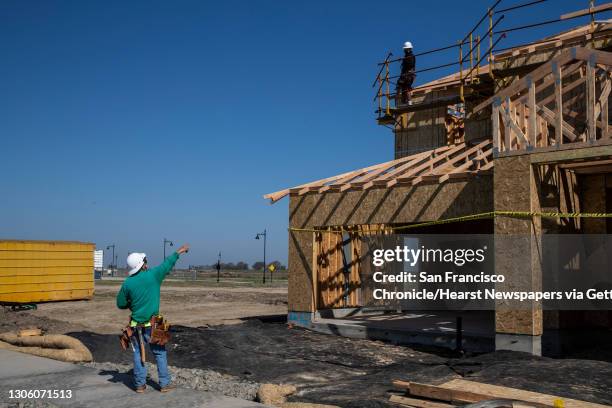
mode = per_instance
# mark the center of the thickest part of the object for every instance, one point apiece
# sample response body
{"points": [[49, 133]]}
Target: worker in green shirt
{"points": [[140, 294]]}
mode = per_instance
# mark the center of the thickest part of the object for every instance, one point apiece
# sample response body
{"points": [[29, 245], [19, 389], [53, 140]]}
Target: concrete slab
{"points": [[435, 328], [21, 365], [94, 388]]}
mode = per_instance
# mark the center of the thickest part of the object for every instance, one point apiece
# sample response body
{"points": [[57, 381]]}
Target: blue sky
{"points": [[127, 122]]}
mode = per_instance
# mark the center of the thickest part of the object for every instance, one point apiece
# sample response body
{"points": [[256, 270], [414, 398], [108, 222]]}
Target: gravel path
{"points": [[194, 378]]}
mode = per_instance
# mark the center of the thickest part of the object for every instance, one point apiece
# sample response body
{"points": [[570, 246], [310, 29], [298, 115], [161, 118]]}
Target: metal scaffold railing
{"points": [[470, 56]]}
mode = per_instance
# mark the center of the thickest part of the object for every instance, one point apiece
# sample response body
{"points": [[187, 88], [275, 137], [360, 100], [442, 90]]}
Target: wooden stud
{"points": [[558, 119], [604, 118], [495, 125], [590, 100], [507, 131], [315, 272], [521, 118], [417, 403], [532, 111]]}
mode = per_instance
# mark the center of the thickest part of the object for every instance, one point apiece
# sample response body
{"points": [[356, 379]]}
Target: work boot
{"points": [[167, 388], [140, 389]]}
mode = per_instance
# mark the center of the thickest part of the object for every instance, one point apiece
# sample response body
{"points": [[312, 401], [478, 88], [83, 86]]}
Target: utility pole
{"points": [[264, 235], [112, 258]]}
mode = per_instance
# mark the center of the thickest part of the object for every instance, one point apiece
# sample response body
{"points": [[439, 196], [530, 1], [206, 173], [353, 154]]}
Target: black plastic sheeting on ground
{"points": [[358, 373]]}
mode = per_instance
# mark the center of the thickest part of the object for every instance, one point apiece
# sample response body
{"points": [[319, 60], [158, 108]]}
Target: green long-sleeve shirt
{"points": [[140, 292]]}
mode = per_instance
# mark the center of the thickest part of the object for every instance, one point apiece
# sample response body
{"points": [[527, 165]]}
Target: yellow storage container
{"points": [[45, 271]]}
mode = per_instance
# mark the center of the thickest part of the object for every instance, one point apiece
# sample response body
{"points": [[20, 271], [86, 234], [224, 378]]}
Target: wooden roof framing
{"points": [[436, 165], [566, 38]]}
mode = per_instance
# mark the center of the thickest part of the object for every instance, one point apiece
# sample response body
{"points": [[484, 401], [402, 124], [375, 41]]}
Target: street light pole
{"points": [[112, 258], [167, 241], [264, 234]]}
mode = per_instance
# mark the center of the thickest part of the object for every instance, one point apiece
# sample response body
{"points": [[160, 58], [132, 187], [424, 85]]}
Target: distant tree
{"points": [[258, 265], [242, 266]]}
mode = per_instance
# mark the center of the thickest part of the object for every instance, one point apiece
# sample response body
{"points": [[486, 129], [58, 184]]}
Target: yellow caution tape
{"points": [[490, 214]]}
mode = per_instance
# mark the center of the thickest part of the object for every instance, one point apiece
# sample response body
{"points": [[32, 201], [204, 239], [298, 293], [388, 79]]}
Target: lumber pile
{"points": [[461, 392]]}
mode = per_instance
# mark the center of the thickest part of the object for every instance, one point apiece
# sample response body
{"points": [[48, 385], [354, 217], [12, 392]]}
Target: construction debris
{"points": [[274, 394], [459, 392]]}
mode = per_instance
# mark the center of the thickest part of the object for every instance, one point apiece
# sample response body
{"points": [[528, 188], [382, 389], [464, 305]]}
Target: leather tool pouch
{"points": [[124, 338], [160, 331]]}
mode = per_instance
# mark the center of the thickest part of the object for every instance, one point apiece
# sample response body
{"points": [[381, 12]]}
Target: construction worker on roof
{"points": [[140, 293], [407, 75]]}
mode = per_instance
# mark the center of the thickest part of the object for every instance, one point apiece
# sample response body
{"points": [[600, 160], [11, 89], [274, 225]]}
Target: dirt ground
{"points": [[214, 330], [182, 303]]}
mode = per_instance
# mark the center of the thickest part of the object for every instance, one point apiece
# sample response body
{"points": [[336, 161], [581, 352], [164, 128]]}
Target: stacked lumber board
{"points": [[460, 392]]}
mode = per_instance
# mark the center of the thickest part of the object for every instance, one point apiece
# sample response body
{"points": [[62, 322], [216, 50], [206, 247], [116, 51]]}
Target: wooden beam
{"points": [[567, 129], [565, 72], [587, 164], [495, 125], [315, 272], [558, 119], [413, 159], [603, 99], [417, 403], [437, 172], [498, 392], [595, 56], [604, 119], [430, 163], [469, 163], [537, 74], [590, 101], [572, 152], [509, 123], [584, 12], [565, 89], [532, 111], [507, 128]]}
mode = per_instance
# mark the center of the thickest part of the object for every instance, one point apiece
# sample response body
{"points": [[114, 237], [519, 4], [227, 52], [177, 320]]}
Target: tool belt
{"points": [[160, 333], [160, 330]]}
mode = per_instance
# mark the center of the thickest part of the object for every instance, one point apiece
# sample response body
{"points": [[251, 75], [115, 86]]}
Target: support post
{"points": [[532, 113], [558, 104], [495, 125], [507, 127], [315, 272], [590, 102], [604, 119]]}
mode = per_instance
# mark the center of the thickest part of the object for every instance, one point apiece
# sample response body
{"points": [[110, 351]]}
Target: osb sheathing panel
{"points": [[519, 322], [516, 189], [424, 202], [423, 130], [593, 199], [512, 193], [477, 126]]}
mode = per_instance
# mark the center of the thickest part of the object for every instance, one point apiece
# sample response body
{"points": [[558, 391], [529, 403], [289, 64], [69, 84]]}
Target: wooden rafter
{"points": [[436, 165]]}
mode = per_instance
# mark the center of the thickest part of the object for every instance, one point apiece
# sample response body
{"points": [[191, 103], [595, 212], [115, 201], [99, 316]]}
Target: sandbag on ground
{"points": [[55, 346]]}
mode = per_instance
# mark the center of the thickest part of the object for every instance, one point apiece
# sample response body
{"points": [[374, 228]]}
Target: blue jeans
{"points": [[140, 370]]}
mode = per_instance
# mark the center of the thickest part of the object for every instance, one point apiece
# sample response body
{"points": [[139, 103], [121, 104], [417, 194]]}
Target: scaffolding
{"points": [[471, 58]]}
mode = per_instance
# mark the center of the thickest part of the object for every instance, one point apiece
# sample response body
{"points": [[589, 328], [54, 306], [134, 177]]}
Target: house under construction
{"points": [[520, 130]]}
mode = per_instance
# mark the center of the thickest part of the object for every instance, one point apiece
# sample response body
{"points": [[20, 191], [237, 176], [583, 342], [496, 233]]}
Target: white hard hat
{"points": [[135, 260], [407, 45]]}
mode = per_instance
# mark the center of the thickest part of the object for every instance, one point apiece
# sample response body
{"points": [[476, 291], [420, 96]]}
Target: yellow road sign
{"points": [[272, 267]]}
